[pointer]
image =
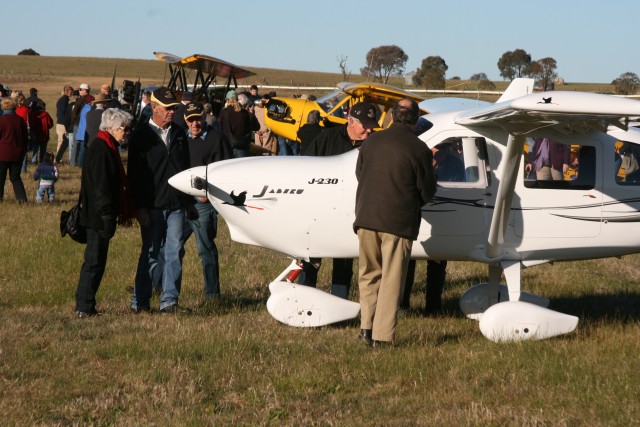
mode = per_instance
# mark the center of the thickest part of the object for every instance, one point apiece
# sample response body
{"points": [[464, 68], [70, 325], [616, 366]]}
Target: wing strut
{"points": [[506, 188]]}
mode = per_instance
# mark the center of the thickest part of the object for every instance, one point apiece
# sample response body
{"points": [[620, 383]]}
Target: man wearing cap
{"points": [[206, 145], [361, 121], [157, 151], [94, 117], [112, 102], [395, 179]]}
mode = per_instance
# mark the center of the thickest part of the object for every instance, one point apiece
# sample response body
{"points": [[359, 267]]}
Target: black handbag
{"points": [[70, 224]]}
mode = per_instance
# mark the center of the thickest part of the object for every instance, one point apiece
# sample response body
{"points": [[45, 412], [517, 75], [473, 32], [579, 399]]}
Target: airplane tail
{"points": [[519, 87]]}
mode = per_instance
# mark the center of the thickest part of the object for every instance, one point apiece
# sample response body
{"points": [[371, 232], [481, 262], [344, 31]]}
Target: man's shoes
{"points": [[365, 336], [86, 314], [175, 309]]}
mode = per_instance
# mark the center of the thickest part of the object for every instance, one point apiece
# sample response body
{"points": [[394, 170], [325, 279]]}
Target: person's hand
{"points": [[108, 226], [143, 217], [527, 167]]}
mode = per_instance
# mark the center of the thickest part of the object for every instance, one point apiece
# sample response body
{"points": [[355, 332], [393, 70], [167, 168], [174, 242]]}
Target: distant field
{"points": [[50, 73]]}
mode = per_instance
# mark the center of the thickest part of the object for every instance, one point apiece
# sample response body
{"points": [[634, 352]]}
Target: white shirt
{"points": [[162, 133]]}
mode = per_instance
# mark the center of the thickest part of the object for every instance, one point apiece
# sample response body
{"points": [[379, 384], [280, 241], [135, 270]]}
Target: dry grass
{"points": [[230, 363]]}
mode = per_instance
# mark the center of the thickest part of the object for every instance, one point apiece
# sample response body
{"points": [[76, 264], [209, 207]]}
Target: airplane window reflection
{"points": [[627, 167], [461, 160]]}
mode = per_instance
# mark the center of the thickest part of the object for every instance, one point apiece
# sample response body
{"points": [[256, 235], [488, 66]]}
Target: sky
{"points": [[592, 41]]}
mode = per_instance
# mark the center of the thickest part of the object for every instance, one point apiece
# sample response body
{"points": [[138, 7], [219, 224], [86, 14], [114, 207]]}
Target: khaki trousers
{"points": [[60, 131], [382, 270]]}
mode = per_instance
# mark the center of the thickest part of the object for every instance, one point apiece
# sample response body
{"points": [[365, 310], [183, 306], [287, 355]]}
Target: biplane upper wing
{"points": [[206, 64], [565, 112]]}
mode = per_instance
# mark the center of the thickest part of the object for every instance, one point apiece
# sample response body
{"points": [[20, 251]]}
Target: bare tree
{"points": [[431, 73], [627, 83], [383, 62], [342, 64]]}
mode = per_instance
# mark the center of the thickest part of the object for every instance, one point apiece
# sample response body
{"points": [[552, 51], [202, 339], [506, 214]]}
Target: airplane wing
{"points": [[378, 92], [206, 64], [565, 112], [438, 105]]}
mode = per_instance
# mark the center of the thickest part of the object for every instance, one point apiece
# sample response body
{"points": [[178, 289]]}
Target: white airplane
{"points": [[303, 207]]}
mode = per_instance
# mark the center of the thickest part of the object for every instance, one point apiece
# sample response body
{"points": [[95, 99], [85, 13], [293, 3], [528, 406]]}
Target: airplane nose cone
{"points": [[187, 181]]}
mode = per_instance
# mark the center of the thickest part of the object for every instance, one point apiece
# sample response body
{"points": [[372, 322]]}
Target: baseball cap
{"points": [[84, 86], [164, 97], [366, 113], [193, 109]]}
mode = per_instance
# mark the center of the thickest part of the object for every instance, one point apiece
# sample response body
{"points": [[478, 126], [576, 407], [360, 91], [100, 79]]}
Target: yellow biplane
{"points": [[284, 116]]}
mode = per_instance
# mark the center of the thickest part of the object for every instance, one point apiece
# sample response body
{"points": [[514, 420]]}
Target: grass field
{"points": [[230, 363]]}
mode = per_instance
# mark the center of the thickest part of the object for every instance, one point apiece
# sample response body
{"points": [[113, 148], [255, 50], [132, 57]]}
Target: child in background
{"points": [[47, 173]]}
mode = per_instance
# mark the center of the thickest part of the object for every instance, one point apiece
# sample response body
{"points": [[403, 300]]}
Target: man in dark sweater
{"points": [[363, 118], [395, 179], [206, 145], [61, 122], [158, 150]]}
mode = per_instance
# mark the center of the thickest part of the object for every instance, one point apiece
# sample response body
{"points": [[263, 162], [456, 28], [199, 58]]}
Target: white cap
{"points": [[84, 86]]}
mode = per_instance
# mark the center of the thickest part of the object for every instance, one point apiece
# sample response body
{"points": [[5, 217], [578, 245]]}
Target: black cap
{"points": [[164, 97], [365, 113], [193, 109]]}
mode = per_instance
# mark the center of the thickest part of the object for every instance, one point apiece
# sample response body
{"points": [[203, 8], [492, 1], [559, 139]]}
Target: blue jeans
{"points": [[205, 229], [42, 189], [159, 257], [81, 149], [287, 147]]}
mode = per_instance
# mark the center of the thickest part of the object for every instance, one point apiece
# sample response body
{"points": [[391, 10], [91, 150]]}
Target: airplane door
{"points": [[561, 205], [459, 207]]}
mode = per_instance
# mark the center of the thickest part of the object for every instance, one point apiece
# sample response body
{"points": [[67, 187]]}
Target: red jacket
{"points": [[40, 122], [13, 138]]}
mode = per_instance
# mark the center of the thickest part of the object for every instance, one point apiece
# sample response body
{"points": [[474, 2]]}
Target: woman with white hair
{"points": [[105, 199]]}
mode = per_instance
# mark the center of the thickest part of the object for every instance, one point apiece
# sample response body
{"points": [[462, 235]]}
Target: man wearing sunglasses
{"points": [[158, 150]]}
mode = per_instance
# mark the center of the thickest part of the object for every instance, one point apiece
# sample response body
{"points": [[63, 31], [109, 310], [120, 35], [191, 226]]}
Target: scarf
{"points": [[127, 210]]}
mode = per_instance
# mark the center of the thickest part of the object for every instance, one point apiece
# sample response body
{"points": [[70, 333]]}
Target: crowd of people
{"points": [[169, 135]]}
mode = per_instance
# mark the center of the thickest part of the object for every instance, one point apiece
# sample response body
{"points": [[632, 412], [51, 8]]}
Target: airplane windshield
{"points": [[330, 100]]}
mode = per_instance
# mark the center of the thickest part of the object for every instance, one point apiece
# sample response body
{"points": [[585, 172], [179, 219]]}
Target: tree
{"points": [[627, 83], [514, 64], [478, 77], [431, 73], [342, 63], [544, 71], [384, 61], [30, 52], [486, 85]]}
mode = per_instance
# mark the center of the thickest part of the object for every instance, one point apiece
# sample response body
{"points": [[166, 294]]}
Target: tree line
{"points": [[383, 62]]}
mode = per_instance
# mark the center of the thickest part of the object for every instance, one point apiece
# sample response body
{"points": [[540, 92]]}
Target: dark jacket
{"points": [[213, 148], [306, 134], [151, 164], [99, 185], [395, 179], [238, 122], [13, 138], [94, 118], [331, 142], [61, 109]]}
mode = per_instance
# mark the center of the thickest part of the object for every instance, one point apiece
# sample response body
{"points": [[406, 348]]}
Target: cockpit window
{"points": [[461, 162], [329, 101], [553, 164]]}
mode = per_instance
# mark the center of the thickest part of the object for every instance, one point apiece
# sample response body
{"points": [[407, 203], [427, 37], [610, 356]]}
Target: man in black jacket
{"points": [[363, 118], [158, 150], [206, 145], [395, 179]]}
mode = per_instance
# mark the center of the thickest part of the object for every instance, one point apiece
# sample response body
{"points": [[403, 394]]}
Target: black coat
{"points": [[151, 164], [331, 142], [213, 148], [99, 185], [306, 134]]}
